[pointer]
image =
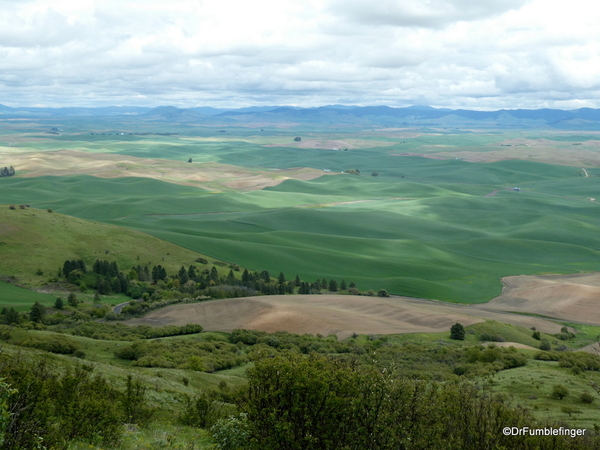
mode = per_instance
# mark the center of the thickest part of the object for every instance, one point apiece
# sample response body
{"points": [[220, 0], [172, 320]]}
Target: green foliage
{"points": [[202, 411], [536, 335], [587, 398], [559, 391], [37, 313], [314, 402], [232, 433], [119, 332], [54, 343], [134, 401], [457, 332], [53, 406], [545, 345]]}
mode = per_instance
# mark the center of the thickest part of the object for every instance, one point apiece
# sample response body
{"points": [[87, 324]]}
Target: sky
{"points": [[473, 54]]}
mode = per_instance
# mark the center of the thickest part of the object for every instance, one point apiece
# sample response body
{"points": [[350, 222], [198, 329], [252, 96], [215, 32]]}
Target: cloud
{"points": [[454, 53], [420, 13]]}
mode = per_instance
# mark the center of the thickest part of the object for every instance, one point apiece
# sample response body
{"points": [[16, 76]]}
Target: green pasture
{"points": [[21, 299]]}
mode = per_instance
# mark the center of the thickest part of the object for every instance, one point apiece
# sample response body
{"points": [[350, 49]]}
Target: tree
{"points": [[72, 299], [37, 313], [59, 304], [383, 293], [457, 332], [333, 286], [281, 278], [12, 317], [190, 160], [375, 174], [343, 285]]}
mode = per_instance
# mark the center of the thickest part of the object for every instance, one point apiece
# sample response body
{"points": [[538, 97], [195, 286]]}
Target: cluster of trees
{"points": [[42, 406], [317, 402], [105, 276], [7, 171]]}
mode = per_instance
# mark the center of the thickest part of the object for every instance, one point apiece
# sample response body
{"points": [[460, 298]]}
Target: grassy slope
{"points": [[33, 239]]}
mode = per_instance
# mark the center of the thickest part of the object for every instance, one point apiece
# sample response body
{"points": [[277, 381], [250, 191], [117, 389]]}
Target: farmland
{"points": [[442, 220], [445, 229]]}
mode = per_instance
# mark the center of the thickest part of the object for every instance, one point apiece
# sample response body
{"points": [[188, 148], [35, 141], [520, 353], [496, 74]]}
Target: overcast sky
{"points": [[477, 54]]}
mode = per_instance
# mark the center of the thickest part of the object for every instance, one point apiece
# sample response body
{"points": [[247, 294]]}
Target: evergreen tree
{"points": [[281, 278], [343, 286], [12, 317], [214, 275], [297, 281], [333, 286], [230, 277], [324, 284], [245, 276], [192, 273], [457, 332], [266, 277], [37, 313], [59, 304]]}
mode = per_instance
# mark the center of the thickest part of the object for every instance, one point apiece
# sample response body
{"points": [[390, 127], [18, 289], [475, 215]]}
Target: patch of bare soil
{"points": [[567, 297], [105, 165], [331, 314]]}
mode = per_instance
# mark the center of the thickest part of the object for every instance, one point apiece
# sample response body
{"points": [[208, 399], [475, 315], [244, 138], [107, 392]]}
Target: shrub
{"points": [[587, 398], [232, 433], [559, 391], [54, 344], [545, 345]]}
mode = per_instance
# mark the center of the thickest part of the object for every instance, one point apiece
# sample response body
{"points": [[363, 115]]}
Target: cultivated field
{"points": [[569, 297], [444, 229], [341, 315]]}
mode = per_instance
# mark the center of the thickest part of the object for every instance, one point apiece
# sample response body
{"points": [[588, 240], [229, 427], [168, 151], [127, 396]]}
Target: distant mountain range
{"points": [[412, 116]]}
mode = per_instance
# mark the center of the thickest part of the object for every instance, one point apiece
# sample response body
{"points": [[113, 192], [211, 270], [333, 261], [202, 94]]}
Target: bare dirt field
{"points": [[568, 297], [332, 314], [212, 176]]}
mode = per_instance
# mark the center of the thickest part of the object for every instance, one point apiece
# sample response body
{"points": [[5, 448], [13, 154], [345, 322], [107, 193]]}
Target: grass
{"points": [[12, 296], [531, 387], [34, 241]]}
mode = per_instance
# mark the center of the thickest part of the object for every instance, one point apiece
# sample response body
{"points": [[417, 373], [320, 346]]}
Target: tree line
{"points": [[7, 171]]}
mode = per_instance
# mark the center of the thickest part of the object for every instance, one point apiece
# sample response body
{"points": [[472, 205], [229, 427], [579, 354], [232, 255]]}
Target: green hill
{"points": [[35, 243]]}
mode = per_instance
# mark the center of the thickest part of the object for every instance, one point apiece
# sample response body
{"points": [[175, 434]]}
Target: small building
{"points": [[516, 189]]}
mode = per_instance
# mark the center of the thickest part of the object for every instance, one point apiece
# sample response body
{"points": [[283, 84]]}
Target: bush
{"points": [[587, 398], [559, 391], [545, 345], [232, 433], [54, 344]]}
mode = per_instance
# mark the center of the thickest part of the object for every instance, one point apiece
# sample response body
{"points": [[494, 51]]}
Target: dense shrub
{"points": [[55, 344]]}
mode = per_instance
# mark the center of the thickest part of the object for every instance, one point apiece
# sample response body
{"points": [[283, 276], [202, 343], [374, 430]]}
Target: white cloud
{"points": [[455, 53]]}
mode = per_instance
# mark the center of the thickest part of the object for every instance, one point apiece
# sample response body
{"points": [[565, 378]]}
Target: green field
{"points": [[423, 227], [21, 299]]}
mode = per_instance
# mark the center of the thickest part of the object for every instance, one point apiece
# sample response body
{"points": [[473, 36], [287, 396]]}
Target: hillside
{"points": [[33, 240]]}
